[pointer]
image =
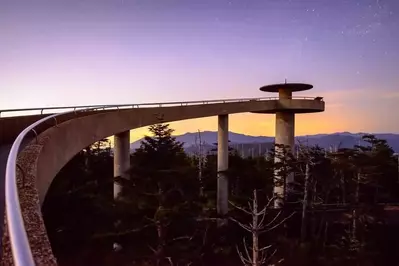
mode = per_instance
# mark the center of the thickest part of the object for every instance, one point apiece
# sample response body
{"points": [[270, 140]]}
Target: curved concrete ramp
{"points": [[67, 139], [42, 160], [10, 127]]}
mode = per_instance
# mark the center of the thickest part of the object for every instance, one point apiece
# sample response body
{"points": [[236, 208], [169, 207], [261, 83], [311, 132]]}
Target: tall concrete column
{"points": [[223, 158], [121, 158], [285, 128], [285, 135]]}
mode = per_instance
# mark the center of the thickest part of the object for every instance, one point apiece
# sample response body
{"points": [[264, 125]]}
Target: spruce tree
{"points": [[160, 195]]}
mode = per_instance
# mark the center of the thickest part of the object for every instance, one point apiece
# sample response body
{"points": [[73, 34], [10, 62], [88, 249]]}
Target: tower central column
{"points": [[285, 135], [285, 129], [284, 93]]}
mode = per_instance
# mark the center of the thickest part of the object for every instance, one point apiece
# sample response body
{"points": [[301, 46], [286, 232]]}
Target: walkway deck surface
{"points": [[4, 150]]}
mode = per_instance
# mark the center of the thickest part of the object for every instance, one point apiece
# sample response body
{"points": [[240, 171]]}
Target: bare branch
{"points": [[260, 212], [243, 260], [250, 207], [240, 208], [121, 233], [170, 261], [181, 238], [274, 219], [270, 202], [264, 248], [262, 258], [272, 255], [263, 217], [277, 225], [149, 219], [152, 249], [205, 235], [246, 227], [246, 250]]}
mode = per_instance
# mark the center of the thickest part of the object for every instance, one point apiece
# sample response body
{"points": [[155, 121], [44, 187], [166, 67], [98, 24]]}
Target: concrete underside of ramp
{"points": [[43, 158]]}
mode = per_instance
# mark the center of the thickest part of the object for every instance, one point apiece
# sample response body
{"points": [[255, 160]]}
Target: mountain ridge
{"points": [[342, 139]]}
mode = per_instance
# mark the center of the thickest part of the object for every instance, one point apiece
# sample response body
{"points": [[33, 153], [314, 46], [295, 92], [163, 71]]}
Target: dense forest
{"points": [[339, 211]]}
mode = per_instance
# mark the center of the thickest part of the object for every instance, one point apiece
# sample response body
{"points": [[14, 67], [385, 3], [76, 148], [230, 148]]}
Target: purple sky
{"points": [[82, 52]]}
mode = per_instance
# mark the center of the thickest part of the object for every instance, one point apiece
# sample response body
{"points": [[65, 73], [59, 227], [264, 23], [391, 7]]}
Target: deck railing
{"points": [[60, 109]]}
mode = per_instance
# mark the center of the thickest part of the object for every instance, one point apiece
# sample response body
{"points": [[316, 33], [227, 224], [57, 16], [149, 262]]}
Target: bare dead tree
{"points": [[303, 152], [397, 157], [354, 211], [305, 204], [260, 256], [201, 160], [309, 163]]}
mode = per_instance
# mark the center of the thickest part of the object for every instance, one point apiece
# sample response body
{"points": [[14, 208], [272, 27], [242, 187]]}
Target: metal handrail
{"points": [[155, 104], [21, 251]]}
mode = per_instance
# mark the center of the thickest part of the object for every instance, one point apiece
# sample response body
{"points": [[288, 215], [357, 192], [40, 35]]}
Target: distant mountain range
{"points": [[259, 144]]}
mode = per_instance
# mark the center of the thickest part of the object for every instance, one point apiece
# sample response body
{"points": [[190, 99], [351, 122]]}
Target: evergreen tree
{"points": [[160, 195]]}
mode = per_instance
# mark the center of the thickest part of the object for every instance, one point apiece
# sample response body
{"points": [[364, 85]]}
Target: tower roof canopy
{"points": [[287, 86]]}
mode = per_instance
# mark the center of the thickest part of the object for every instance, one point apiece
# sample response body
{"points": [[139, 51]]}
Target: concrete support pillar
{"points": [[285, 134], [223, 158], [121, 158]]}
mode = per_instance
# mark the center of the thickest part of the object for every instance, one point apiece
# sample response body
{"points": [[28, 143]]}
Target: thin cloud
{"points": [[338, 95], [390, 95]]}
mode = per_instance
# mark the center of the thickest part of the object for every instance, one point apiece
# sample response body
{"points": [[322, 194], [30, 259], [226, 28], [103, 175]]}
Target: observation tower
{"points": [[286, 106]]}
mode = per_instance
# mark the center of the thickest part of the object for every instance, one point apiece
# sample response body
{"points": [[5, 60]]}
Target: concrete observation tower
{"points": [[285, 109]]}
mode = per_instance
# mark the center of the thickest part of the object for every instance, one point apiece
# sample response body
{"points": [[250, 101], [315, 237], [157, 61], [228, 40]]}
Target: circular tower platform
{"points": [[286, 87], [295, 106], [286, 103]]}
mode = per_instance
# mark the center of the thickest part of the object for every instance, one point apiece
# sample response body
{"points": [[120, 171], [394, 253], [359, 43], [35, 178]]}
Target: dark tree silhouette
{"points": [[345, 203]]}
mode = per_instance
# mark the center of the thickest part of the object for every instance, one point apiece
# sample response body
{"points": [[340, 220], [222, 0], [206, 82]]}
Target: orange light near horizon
{"points": [[260, 125]]}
